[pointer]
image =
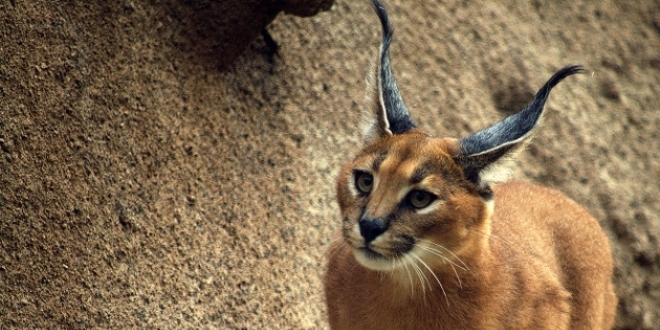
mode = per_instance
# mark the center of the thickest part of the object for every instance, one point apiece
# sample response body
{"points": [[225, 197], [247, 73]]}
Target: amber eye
{"points": [[364, 182], [420, 199]]}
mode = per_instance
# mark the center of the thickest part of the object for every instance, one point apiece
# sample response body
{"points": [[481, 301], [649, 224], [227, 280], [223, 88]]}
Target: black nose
{"points": [[370, 229]]}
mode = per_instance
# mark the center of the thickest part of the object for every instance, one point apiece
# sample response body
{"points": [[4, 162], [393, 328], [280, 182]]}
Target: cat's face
{"points": [[403, 197]]}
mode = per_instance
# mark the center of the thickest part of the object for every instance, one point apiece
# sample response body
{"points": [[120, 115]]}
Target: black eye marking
{"points": [[379, 160], [419, 175], [419, 199], [364, 182], [438, 167]]}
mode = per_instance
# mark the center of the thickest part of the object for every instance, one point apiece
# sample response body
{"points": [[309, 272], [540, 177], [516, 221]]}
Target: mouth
{"points": [[370, 253], [369, 258]]}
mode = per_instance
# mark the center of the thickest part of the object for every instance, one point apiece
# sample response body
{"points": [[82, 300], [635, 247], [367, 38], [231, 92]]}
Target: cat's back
{"points": [[543, 231]]}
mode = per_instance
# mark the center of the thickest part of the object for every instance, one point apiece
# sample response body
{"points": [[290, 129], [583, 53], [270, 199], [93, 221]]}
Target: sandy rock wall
{"points": [[145, 183]]}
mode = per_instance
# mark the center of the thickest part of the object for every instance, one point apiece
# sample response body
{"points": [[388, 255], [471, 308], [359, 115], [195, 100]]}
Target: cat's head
{"points": [[408, 194]]}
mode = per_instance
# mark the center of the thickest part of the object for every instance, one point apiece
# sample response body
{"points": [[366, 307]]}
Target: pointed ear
{"points": [[391, 114], [484, 154]]}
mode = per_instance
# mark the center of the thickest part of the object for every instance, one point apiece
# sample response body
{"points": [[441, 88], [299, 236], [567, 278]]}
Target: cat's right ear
{"points": [[391, 115]]}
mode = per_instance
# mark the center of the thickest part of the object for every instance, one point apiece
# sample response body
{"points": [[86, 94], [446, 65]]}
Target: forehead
{"points": [[415, 156]]}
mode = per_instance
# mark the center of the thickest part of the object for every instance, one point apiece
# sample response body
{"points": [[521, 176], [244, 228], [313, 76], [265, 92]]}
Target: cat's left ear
{"points": [[390, 113], [483, 155]]}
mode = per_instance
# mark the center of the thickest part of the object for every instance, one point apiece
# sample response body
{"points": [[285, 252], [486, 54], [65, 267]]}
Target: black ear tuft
{"points": [[486, 147], [393, 112], [518, 125]]}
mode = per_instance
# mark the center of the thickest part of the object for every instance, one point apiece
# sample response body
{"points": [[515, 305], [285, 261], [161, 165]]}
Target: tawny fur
{"points": [[427, 241], [539, 261]]}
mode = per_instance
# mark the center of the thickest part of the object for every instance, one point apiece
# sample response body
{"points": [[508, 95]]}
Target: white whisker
{"points": [[496, 237], [451, 263], [419, 273], [439, 254], [460, 285], [446, 249], [412, 285], [341, 244], [436, 278]]}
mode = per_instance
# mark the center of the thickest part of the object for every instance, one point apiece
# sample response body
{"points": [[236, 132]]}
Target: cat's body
{"points": [[428, 242], [523, 279]]}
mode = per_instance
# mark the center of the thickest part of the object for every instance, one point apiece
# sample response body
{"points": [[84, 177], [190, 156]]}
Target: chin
{"points": [[375, 261]]}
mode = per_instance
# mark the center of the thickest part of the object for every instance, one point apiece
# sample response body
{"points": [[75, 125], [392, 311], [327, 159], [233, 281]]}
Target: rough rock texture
{"points": [[215, 31], [143, 187]]}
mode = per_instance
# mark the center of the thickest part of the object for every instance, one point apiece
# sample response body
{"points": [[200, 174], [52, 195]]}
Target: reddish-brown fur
{"points": [[537, 261], [427, 241]]}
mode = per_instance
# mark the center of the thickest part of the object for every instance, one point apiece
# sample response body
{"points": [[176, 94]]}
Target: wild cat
{"points": [[429, 242]]}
